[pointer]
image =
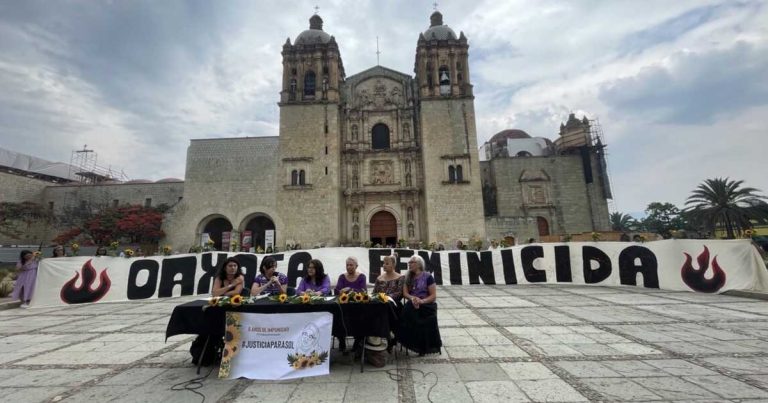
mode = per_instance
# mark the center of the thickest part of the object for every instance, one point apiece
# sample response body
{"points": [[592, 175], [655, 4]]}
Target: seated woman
{"points": [[269, 281], [390, 282], [418, 324], [352, 280], [316, 282], [229, 279]]}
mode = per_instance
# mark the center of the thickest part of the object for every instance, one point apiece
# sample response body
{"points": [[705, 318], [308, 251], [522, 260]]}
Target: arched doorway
{"points": [[259, 226], [543, 226], [215, 228], [383, 229]]}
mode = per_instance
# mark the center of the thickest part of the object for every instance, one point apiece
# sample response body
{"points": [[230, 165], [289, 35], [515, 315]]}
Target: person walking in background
{"points": [[25, 282]]}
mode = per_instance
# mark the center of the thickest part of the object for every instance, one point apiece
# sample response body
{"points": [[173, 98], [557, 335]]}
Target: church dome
{"points": [[437, 30], [503, 135], [315, 34]]}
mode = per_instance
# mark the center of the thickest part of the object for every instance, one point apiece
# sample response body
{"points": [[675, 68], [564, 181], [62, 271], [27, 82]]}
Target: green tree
{"points": [[724, 203], [622, 222], [663, 218]]}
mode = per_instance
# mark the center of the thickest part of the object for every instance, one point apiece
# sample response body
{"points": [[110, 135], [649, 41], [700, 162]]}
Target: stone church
{"points": [[379, 156]]}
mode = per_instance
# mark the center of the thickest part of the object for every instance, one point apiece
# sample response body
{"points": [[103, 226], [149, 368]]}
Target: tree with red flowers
{"points": [[135, 224]]}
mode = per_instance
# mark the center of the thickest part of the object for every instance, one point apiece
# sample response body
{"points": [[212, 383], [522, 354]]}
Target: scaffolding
{"points": [[596, 139], [84, 168]]}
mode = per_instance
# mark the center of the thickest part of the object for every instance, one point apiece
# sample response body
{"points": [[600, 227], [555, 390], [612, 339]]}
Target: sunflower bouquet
{"points": [[37, 255], [304, 298], [357, 297], [167, 250], [235, 300], [303, 361], [128, 252], [75, 248]]}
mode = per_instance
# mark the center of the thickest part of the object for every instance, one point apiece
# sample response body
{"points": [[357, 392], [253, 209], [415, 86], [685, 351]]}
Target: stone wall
{"points": [[552, 187], [15, 188], [232, 178], [452, 210], [310, 212]]}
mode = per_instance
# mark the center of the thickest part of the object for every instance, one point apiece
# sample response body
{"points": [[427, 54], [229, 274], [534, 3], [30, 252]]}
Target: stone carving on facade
{"points": [[395, 97], [535, 194], [381, 172], [363, 98], [379, 94]]}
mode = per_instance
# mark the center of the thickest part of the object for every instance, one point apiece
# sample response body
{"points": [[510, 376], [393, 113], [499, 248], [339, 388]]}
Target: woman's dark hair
{"points": [[21, 255], [101, 249], [222, 273], [268, 262], [63, 251], [319, 272]]}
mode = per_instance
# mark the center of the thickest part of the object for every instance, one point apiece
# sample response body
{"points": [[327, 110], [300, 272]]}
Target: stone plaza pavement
{"points": [[502, 343]]}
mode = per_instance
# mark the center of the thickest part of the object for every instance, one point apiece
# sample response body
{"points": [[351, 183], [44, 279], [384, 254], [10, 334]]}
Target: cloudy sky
{"points": [[680, 87]]}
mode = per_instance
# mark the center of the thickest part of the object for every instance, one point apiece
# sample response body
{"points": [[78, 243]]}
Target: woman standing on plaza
{"points": [[229, 279], [25, 282], [269, 281], [418, 325], [316, 282]]}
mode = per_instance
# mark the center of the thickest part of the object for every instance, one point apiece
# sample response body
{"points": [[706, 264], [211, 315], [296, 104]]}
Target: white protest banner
{"points": [[276, 346], [685, 265]]}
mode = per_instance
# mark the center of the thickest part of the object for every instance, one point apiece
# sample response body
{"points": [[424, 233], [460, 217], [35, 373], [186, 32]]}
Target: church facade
{"points": [[379, 156]]}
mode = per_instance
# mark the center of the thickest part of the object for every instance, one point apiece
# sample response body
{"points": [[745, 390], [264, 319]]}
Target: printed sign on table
{"points": [[276, 346]]}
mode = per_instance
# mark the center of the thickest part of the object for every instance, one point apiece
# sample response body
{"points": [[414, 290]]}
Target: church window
{"points": [[148, 202], [294, 177], [302, 178], [451, 173], [445, 81], [459, 174], [354, 132], [50, 205], [380, 137], [326, 170], [326, 150], [309, 85], [523, 154], [115, 203], [292, 90], [293, 71]]}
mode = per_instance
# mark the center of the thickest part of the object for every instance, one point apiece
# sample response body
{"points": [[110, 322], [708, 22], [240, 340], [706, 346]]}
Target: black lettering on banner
{"points": [[147, 290], [480, 268], [648, 266], [374, 262], [527, 255], [209, 271], [454, 264], [563, 264], [402, 266], [297, 259], [432, 261], [508, 263], [604, 268], [172, 267], [251, 264]]}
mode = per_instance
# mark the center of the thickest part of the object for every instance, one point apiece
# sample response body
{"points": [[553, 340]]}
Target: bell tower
{"points": [[308, 174], [452, 191]]}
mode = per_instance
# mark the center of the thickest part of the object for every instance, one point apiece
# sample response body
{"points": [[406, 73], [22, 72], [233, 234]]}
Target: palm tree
{"points": [[721, 202], [622, 222]]}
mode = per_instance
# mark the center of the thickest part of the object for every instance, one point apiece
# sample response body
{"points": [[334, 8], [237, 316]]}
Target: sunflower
{"points": [[282, 298], [358, 297], [232, 335], [383, 297], [228, 352], [366, 298], [236, 300], [343, 298], [213, 301], [305, 298]]}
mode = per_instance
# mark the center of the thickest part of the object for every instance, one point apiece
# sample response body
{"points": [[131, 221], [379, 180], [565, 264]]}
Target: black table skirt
{"points": [[370, 319]]}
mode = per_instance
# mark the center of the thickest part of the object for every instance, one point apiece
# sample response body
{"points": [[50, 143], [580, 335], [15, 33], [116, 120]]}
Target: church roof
{"points": [[314, 34], [509, 134], [437, 30], [377, 71]]}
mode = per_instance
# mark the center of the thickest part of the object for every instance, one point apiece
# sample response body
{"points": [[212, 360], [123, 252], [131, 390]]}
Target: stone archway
{"points": [[215, 228], [383, 229], [543, 226], [259, 225]]}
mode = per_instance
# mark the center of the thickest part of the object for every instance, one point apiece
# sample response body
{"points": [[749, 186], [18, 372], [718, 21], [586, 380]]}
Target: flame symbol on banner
{"points": [[72, 294], [694, 278]]}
